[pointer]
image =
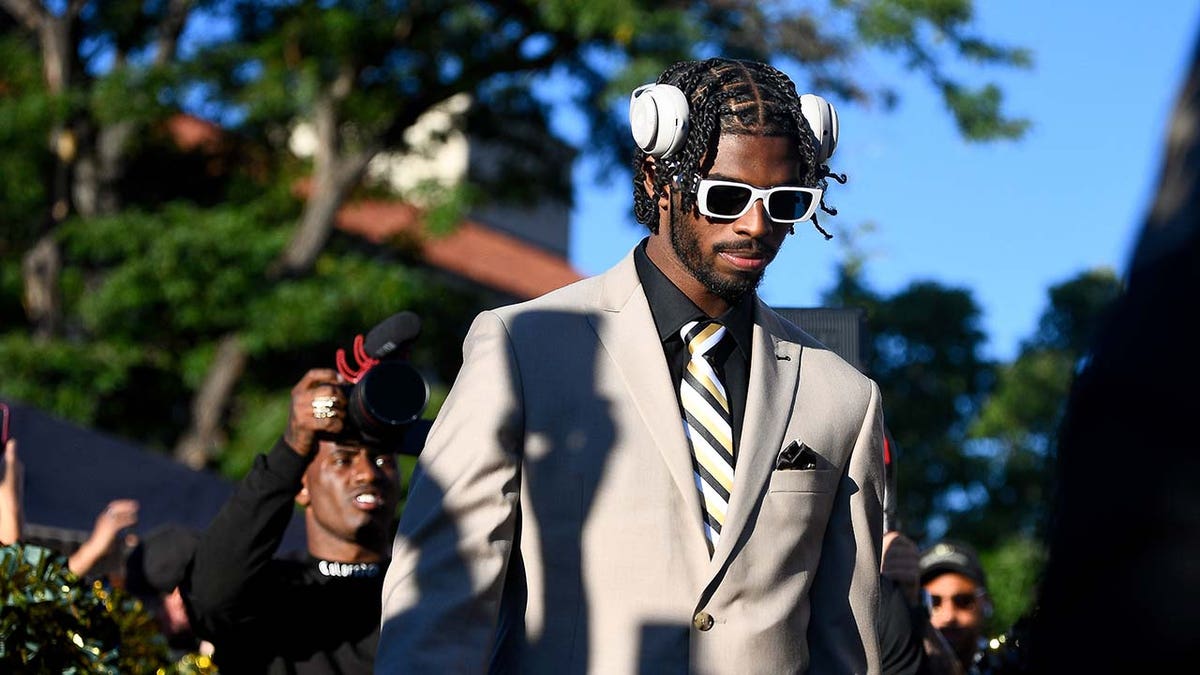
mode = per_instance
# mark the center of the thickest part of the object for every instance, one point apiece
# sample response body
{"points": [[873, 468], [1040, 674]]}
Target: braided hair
{"points": [[727, 96]]}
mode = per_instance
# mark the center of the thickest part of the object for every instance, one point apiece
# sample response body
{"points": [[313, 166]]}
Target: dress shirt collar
{"points": [[672, 309]]}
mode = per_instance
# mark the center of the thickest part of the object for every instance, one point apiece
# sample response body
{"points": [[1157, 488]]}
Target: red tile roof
{"points": [[192, 133], [473, 251]]}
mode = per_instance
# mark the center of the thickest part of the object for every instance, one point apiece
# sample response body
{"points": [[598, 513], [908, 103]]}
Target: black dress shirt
{"points": [[672, 309]]}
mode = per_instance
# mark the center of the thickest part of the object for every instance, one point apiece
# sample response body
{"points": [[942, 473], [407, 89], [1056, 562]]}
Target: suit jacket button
{"points": [[702, 621]]}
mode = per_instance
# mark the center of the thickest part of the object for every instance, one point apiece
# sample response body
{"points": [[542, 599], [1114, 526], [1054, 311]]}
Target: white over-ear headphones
{"points": [[658, 118], [823, 119]]}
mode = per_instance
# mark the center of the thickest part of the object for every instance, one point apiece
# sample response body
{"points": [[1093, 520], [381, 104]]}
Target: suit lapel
{"points": [[626, 329], [774, 368]]}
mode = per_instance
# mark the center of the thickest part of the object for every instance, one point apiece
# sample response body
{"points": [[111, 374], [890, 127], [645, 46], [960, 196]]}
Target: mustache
{"points": [[755, 246]]}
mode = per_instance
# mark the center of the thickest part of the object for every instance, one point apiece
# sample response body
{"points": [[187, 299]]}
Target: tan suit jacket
{"points": [[554, 525]]}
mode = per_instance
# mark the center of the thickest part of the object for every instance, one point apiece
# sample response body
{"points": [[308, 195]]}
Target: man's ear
{"points": [[302, 497]]}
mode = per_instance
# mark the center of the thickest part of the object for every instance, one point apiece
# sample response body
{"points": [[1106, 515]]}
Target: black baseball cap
{"points": [[160, 560], [951, 556]]}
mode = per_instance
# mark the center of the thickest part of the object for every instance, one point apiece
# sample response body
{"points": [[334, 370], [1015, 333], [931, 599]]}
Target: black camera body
{"points": [[385, 394], [390, 396]]}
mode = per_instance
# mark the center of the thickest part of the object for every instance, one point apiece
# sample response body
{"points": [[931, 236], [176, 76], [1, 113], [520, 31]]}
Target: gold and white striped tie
{"points": [[708, 424]]}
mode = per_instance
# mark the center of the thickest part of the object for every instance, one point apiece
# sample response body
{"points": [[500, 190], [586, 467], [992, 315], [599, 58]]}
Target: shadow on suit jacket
{"points": [[547, 486]]}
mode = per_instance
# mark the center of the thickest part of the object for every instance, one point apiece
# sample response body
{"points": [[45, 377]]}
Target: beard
{"points": [[730, 288], [963, 641]]}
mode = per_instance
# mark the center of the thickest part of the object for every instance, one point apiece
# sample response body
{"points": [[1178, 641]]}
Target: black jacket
{"points": [[270, 615]]}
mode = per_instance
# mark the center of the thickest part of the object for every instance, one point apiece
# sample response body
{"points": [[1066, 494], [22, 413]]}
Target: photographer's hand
{"points": [[118, 515], [317, 406]]}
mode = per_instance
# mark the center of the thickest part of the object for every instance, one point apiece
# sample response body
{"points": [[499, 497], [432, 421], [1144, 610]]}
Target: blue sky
{"points": [[1005, 220]]}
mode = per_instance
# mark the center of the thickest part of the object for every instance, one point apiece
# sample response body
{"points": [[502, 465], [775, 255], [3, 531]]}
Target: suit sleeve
{"points": [[842, 635], [442, 593]]}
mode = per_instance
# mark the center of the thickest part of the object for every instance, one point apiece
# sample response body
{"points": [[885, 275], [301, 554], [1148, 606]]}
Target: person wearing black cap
{"points": [[319, 614], [956, 590], [153, 572]]}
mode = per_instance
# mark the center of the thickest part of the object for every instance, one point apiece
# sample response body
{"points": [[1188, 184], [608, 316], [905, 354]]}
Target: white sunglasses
{"points": [[730, 200]]}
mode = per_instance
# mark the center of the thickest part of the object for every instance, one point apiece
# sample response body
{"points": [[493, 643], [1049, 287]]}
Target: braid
{"points": [[731, 97]]}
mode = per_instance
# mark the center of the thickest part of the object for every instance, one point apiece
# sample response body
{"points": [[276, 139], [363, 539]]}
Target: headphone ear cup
{"points": [[823, 119], [658, 118]]}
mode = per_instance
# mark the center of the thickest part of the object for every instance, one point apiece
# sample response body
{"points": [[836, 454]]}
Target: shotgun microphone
{"points": [[392, 333], [385, 394]]}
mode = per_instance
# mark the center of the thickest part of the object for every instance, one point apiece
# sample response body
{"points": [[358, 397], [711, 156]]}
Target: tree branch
{"points": [[343, 85], [196, 447], [169, 29], [28, 12]]}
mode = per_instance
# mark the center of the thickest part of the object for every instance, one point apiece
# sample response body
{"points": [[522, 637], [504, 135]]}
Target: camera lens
{"points": [[391, 395]]}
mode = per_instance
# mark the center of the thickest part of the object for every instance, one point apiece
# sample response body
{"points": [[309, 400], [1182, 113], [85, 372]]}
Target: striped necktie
{"points": [[707, 422]]}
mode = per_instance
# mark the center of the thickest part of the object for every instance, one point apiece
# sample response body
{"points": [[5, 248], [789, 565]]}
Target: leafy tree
{"points": [[974, 436], [1015, 435], [926, 357], [94, 115], [26, 113], [976, 439], [172, 283], [157, 316], [1013, 567], [1016, 428], [924, 346]]}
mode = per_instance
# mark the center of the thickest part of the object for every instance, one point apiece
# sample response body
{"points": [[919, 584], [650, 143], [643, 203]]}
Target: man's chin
{"points": [[963, 642], [374, 530], [734, 287]]}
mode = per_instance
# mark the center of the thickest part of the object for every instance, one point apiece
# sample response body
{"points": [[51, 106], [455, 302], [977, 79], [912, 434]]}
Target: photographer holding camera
{"points": [[336, 459]]}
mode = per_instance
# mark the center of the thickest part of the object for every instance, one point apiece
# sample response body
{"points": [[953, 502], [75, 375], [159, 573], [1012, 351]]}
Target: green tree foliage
{"points": [[25, 114], [154, 291], [976, 439], [924, 32], [1015, 434], [1077, 308], [927, 359], [1013, 568], [370, 69], [1019, 423], [173, 295], [925, 352]]}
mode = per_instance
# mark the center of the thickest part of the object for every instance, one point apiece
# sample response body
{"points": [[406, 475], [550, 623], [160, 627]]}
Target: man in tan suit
{"points": [[618, 483]]}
